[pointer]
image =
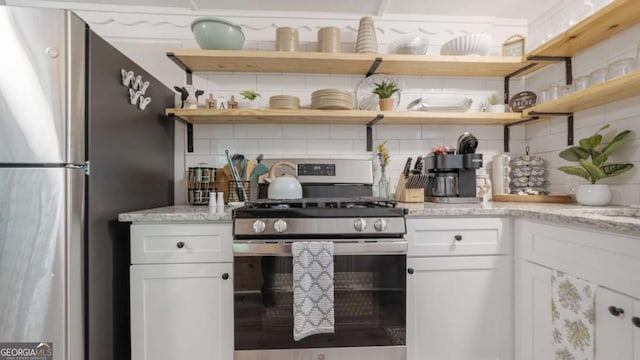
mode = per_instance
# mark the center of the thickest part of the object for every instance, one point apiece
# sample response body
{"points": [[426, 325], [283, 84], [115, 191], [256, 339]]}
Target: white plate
{"points": [[235, 204], [366, 100]]}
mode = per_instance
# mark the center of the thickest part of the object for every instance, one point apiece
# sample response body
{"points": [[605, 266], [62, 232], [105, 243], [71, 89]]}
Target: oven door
{"points": [[369, 296]]}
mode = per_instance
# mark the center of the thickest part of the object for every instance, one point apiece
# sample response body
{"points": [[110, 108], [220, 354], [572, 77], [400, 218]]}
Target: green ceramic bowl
{"points": [[217, 34]]}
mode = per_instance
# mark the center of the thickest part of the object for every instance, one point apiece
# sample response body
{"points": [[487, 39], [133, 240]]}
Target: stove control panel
{"points": [[380, 225], [316, 169], [259, 226], [360, 225]]}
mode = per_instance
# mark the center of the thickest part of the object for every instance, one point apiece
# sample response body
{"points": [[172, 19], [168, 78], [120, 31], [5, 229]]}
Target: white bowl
{"points": [[472, 44], [411, 44]]}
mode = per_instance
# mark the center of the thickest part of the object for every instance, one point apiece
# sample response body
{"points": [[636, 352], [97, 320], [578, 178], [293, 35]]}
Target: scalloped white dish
{"points": [[472, 44]]}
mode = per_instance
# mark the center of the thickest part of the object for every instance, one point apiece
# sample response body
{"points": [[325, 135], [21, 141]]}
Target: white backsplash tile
{"points": [[212, 131], [282, 147], [347, 131], [240, 146], [301, 131], [398, 131], [329, 147], [257, 131], [201, 146]]}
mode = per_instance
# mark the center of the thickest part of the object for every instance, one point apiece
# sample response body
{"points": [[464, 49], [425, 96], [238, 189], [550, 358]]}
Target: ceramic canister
{"points": [[286, 39], [329, 39]]}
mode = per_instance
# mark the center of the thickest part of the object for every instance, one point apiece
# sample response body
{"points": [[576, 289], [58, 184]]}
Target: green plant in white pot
{"points": [[249, 99], [592, 154]]}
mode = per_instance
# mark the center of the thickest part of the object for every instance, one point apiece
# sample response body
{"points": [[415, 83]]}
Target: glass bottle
{"points": [[383, 184]]}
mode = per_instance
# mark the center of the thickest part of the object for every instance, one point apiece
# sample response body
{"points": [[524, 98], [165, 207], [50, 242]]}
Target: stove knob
{"points": [[258, 226], [360, 225], [380, 225], [280, 226]]}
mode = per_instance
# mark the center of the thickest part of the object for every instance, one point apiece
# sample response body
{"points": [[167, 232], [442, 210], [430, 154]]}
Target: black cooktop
{"points": [[320, 207]]}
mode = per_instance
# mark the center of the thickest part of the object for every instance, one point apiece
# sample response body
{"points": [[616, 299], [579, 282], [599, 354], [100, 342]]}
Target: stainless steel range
{"points": [[369, 273]]}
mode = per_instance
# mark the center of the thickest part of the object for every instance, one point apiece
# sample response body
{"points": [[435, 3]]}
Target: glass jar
{"points": [[620, 67], [598, 76], [383, 184]]}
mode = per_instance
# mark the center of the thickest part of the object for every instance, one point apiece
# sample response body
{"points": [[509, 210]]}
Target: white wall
{"points": [[548, 137], [145, 37]]}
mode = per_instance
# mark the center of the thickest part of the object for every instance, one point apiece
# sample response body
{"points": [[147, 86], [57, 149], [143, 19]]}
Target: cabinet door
{"points": [[182, 311], [614, 330], [534, 340], [460, 308]]}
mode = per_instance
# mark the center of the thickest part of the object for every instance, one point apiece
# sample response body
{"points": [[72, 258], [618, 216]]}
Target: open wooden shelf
{"points": [[360, 117], [608, 21], [345, 63], [609, 91]]}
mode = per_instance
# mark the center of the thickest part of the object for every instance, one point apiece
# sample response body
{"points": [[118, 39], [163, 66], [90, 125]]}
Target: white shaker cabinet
{"points": [[459, 289], [609, 261], [181, 292]]}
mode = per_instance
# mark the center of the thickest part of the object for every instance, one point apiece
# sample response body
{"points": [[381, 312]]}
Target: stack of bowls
{"points": [[367, 43], [332, 99], [329, 39], [472, 44], [284, 102]]}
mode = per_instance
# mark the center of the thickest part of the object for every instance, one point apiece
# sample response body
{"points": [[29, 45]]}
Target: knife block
{"points": [[403, 194]]}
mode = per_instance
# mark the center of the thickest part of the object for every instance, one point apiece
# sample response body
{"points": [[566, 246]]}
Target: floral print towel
{"points": [[573, 315]]}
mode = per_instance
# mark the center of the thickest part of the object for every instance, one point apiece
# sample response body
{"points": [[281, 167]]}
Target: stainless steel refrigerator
{"points": [[74, 152]]}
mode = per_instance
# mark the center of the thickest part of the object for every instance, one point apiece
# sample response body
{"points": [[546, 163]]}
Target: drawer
{"points": [[610, 260], [181, 243], [459, 236]]}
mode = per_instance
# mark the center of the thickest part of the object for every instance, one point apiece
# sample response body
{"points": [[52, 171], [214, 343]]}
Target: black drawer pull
{"points": [[180, 244], [458, 237], [410, 271], [636, 321], [616, 311], [225, 276]]}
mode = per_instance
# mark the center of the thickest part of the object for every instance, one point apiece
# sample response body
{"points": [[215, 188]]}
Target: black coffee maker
{"points": [[452, 176]]}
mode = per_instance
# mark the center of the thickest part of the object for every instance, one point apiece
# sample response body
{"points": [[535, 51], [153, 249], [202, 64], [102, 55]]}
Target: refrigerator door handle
{"points": [[84, 167]]}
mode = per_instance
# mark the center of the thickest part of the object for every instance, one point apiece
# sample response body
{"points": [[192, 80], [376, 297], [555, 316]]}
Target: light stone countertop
{"points": [[610, 218]]}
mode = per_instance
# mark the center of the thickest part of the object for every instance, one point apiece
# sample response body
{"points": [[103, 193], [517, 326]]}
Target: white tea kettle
{"points": [[284, 186]]}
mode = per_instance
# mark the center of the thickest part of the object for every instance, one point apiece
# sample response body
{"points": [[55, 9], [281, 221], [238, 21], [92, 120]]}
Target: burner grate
{"points": [[322, 203]]}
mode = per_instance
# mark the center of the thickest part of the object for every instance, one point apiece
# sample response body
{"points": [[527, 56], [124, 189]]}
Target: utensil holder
{"points": [[405, 194], [233, 190]]}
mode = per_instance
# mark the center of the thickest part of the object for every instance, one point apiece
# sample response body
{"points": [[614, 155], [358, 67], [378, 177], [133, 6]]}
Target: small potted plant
{"points": [[595, 169], [495, 103], [385, 90], [249, 97]]}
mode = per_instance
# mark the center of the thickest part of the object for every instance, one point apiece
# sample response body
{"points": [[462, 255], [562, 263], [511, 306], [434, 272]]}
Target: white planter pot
{"points": [[500, 108], [593, 194]]}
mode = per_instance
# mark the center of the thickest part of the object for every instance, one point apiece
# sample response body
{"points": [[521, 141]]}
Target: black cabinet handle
{"points": [[225, 276], [636, 321], [616, 311], [180, 244], [410, 271], [458, 237]]}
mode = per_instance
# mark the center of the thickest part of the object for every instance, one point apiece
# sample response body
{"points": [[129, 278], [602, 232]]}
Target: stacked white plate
{"points": [[332, 99], [284, 102]]}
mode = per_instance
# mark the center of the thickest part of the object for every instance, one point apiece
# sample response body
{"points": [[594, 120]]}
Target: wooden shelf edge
{"points": [[612, 90], [306, 116], [608, 21]]}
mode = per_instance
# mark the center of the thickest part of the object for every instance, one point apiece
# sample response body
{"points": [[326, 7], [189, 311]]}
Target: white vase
{"points": [[593, 194]]}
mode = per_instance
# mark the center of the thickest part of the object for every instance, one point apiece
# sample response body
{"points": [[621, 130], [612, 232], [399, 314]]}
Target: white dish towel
{"points": [[573, 316], [313, 309]]}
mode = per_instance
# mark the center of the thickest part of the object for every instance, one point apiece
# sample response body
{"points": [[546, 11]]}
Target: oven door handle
{"points": [[339, 248]]}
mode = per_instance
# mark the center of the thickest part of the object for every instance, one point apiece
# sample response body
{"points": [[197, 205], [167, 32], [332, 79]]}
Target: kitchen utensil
{"points": [[213, 33], [407, 167], [284, 186], [472, 44], [235, 176], [366, 100], [418, 166], [250, 167], [243, 167], [467, 144]]}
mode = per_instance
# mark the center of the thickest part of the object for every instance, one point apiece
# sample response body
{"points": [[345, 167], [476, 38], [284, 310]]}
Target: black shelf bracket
{"points": [[507, 131], [512, 75], [370, 131], [569, 115], [568, 67], [374, 66], [189, 130], [182, 66]]}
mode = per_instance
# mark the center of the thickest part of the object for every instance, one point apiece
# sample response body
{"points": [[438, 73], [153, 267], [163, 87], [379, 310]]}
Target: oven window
{"points": [[369, 301]]}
